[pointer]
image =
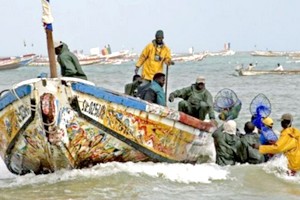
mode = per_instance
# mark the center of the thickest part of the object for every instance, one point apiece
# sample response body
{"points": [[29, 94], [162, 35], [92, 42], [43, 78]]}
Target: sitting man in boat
{"points": [[131, 88], [197, 100], [68, 62], [250, 67], [288, 144], [155, 93], [279, 67]]}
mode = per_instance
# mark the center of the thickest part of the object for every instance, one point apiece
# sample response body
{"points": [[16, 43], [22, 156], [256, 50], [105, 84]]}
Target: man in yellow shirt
{"points": [[288, 143], [154, 55]]}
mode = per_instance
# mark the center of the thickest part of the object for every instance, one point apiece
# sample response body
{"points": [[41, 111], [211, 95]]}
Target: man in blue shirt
{"points": [[155, 93]]}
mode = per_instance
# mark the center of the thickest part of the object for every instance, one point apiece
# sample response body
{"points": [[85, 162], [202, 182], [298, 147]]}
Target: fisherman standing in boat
{"points": [[153, 57], [68, 62], [197, 100]]}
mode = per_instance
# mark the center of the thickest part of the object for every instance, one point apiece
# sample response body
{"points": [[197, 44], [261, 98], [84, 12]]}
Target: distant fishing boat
{"points": [[9, 63], [244, 72], [188, 57], [270, 53], [27, 59], [83, 60]]}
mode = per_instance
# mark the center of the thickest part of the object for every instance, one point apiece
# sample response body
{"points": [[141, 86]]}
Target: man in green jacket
{"points": [[247, 153], [227, 144], [68, 62], [197, 100], [131, 88]]}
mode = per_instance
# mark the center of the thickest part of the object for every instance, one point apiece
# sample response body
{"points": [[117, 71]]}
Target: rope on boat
{"points": [[13, 91], [50, 124]]}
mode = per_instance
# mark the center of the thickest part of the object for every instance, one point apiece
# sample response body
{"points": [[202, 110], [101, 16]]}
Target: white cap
{"points": [[200, 79], [230, 127], [57, 44]]}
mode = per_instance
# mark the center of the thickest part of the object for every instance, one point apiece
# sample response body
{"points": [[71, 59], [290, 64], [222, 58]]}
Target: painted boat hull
{"points": [[52, 124]]}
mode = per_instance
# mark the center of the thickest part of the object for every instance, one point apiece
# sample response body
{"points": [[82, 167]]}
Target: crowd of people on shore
{"points": [[259, 142]]}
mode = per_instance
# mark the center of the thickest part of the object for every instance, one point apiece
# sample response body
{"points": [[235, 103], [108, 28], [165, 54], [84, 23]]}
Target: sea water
{"points": [[174, 181]]}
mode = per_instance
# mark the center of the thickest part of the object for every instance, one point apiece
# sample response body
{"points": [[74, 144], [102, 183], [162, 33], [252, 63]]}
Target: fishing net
{"points": [[225, 98], [260, 106]]}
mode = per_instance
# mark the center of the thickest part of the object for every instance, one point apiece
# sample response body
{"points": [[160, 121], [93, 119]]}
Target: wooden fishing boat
{"points": [[83, 60], [49, 124], [27, 59], [243, 72], [188, 57], [9, 63], [269, 53]]}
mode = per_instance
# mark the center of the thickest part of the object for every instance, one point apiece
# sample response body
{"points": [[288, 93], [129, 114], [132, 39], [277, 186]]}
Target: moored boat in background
{"points": [[9, 63], [244, 72], [27, 59], [270, 53]]}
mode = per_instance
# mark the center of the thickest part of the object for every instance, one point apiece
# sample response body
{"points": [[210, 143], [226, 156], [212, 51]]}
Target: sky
{"points": [[205, 25]]}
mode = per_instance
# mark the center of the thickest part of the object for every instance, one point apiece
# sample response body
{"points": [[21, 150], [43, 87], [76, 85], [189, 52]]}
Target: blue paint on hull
{"points": [[10, 97], [109, 96]]}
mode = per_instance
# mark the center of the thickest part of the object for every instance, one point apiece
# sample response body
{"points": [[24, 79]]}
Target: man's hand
{"points": [[170, 62], [136, 71], [171, 97], [214, 122], [255, 146]]}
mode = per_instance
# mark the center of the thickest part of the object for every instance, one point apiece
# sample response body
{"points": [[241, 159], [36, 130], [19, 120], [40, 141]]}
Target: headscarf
{"points": [[230, 127]]}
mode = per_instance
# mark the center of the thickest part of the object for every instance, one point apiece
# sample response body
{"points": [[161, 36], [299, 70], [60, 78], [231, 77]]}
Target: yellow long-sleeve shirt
{"points": [[151, 65], [289, 144]]}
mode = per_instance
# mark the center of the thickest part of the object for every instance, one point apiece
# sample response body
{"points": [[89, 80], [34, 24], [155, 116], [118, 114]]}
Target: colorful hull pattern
{"points": [[52, 124]]}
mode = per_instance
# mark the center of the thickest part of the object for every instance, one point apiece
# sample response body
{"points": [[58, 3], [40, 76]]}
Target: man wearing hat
{"points": [[288, 144], [267, 134], [68, 62], [153, 57], [197, 100]]}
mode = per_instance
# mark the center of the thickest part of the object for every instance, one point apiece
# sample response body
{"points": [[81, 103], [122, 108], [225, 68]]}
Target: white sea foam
{"points": [[182, 173], [278, 166], [4, 172]]}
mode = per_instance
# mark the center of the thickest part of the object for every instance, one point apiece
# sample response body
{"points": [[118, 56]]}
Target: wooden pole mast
{"points": [[47, 20]]}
